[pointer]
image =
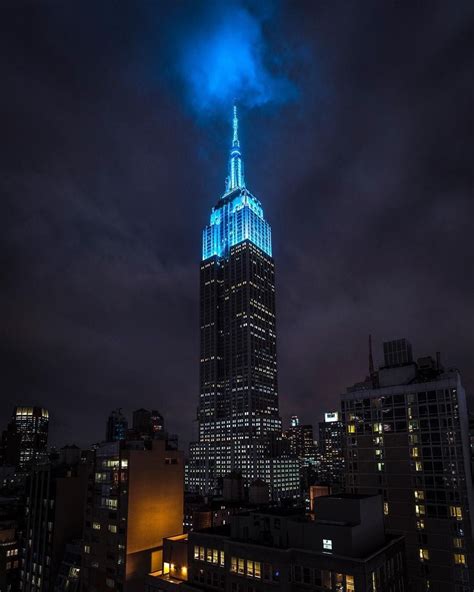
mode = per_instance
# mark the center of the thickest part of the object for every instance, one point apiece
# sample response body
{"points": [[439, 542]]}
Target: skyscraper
{"points": [[407, 438], [117, 426], [26, 436], [238, 415], [331, 448]]}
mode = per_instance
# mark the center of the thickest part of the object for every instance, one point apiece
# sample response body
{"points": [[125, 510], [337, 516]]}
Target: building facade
{"points": [[135, 500], [407, 437], [26, 437], [117, 426], [238, 410], [344, 549], [54, 517], [331, 449]]}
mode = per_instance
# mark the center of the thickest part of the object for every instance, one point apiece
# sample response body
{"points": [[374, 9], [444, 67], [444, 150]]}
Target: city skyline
{"points": [[361, 154]]}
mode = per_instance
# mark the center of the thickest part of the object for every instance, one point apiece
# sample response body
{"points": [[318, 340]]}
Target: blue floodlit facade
{"points": [[238, 216]]}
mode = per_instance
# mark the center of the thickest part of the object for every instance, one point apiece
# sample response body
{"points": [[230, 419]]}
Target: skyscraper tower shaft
{"points": [[239, 422]]}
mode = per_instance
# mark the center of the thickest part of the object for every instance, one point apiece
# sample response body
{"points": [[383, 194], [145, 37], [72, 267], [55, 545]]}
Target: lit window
{"points": [[351, 429], [196, 552], [215, 556], [457, 542], [418, 466], [258, 570], [420, 524], [424, 554], [459, 559], [249, 568], [419, 495], [96, 526], [233, 564], [414, 452], [419, 510], [113, 528], [385, 508], [327, 544], [350, 587], [222, 560], [455, 512], [87, 549]]}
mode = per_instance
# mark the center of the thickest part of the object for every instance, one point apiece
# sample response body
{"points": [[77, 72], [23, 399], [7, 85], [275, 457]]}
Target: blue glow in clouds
{"points": [[224, 57]]}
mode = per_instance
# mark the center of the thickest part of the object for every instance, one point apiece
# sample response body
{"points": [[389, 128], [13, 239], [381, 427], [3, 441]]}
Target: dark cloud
{"points": [[107, 181]]}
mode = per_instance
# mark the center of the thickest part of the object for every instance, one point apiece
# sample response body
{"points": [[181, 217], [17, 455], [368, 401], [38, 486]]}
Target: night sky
{"points": [[357, 132]]}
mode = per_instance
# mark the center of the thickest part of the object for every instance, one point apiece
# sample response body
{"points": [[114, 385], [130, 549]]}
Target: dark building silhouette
{"points": [[55, 502], [238, 410], [117, 426], [344, 548], [407, 437], [9, 556], [147, 424]]}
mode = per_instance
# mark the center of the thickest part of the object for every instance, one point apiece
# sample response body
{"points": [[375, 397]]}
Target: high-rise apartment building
{"points": [[147, 424], [55, 498], [117, 426], [238, 403], [9, 556], [331, 449], [135, 499], [26, 437], [407, 437]]}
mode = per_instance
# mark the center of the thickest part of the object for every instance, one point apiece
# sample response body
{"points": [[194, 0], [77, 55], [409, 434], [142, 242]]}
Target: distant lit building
{"points": [[407, 437], [344, 549], [117, 426], [238, 410], [135, 500], [300, 439], [26, 437], [331, 449]]}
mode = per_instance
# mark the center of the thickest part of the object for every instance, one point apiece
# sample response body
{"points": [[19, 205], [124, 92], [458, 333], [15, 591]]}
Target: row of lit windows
{"points": [[215, 556]]}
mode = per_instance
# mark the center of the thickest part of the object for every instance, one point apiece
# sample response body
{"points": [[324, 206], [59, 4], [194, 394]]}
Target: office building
{"points": [[55, 501], [331, 449], [135, 500], [407, 437], [238, 411], [344, 548], [26, 437], [69, 572], [117, 426], [147, 424], [300, 439]]}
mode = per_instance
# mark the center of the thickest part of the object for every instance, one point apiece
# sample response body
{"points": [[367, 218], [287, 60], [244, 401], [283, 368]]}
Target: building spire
{"points": [[371, 359], [235, 178]]}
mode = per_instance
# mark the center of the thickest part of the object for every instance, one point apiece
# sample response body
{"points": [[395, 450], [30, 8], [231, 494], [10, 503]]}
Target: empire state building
{"points": [[239, 423]]}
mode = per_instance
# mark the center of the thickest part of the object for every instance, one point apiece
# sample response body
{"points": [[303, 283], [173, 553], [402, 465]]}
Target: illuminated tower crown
{"points": [[238, 215]]}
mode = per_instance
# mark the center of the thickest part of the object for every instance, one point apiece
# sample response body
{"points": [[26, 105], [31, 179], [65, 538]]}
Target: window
{"points": [[418, 466], [459, 559], [196, 552], [241, 567], [215, 556], [209, 556], [457, 542], [455, 512], [257, 570], [385, 508], [233, 564], [201, 553], [96, 526], [87, 549], [424, 554], [327, 544], [222, 559], [419, 495], [350, 587], [419, 510], [110, 583], [249, 568], [113, 528]]}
